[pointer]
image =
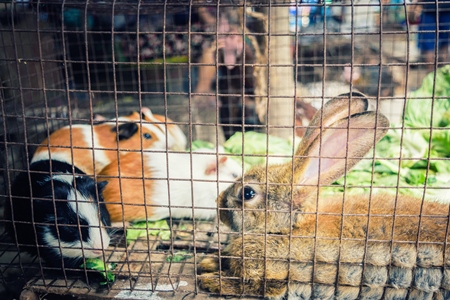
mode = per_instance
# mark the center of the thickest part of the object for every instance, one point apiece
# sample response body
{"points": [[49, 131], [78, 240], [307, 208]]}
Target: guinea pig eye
{"points": [[235, 175], [247, 193], [147, 136]]}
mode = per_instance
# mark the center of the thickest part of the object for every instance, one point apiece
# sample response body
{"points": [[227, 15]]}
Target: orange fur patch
{"points": [[125, 195]]}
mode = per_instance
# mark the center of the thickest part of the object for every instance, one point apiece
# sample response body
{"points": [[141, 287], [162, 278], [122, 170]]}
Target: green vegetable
{"points": [[199, 144], [429, 107], [143, 229], [178, 256], [103, 268], [255, 148]]}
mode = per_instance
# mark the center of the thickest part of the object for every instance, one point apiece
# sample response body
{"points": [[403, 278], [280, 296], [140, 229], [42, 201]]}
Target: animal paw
{"points": [[208, 265]]}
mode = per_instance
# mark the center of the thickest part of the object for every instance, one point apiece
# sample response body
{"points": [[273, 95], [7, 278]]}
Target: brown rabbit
{"points": [[292, 243]]}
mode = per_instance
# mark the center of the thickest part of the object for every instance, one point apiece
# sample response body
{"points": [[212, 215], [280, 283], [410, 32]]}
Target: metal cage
{"points": [[243, 83]]}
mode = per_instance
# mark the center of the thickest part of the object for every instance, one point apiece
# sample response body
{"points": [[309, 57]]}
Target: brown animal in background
{"points": [[236, 56], [304, 112], [303, 246]]}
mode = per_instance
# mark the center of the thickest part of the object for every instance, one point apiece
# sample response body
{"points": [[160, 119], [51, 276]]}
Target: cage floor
{"points": [[150, 267]]}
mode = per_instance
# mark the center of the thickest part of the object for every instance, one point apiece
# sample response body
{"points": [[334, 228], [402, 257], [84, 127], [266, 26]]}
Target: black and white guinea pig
{"points": [[64, 209]]}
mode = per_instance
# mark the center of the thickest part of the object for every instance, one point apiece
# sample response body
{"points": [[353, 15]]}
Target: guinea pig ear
{"points": [[98, 118], [126, 130], [211, 168], [146, 113], [101, 186]]}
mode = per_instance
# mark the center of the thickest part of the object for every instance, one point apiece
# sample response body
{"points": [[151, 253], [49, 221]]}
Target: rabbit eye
{"points": [[235, 175], [147, 136], [247, 193]]}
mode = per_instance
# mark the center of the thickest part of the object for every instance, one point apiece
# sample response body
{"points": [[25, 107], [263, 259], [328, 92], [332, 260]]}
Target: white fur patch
{"points": [[99, 156], [204, 188], [86, 209], [60, 156], [63, 178]]}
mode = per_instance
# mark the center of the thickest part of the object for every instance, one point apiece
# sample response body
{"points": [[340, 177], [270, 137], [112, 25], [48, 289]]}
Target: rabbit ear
{"points": [[334, 110], [337, 150]]}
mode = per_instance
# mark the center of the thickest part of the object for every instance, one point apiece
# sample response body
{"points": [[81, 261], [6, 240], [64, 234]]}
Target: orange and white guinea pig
{"points": [[176, 139], [146, 189], [92, 147]]}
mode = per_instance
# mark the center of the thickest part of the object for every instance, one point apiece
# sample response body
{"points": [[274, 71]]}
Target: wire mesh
{"points": [[219, 89]]}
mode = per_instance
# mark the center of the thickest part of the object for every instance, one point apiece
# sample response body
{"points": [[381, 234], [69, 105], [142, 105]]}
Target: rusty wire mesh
{"points": [[67, 62]]}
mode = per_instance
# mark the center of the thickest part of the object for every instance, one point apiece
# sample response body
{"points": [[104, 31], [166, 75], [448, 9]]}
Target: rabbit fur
{"points": [[300, 245]]}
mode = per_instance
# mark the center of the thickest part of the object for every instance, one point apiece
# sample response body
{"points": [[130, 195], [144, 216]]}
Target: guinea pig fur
{"points": [[63, 210], [176, 139], [153, 193], [91, 147]]}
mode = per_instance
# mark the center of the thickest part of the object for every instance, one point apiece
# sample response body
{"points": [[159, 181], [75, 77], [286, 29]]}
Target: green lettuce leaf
{"points": [[143, 229], [103, 268], [257, 146]]}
